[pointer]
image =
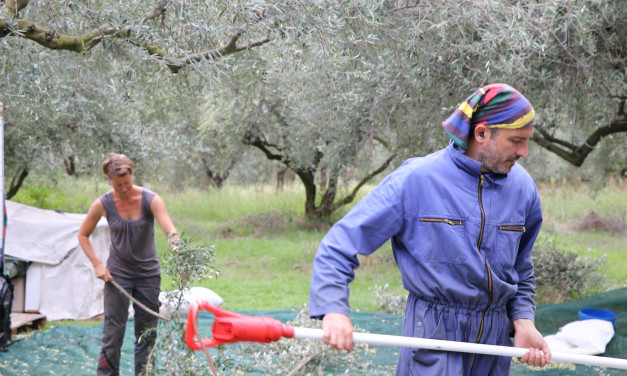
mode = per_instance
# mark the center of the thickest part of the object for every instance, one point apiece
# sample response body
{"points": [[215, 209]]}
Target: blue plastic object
{"points": [[600, 314]]}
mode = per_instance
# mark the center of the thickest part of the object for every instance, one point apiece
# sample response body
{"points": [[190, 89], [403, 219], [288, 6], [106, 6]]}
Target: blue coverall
{"points": [[462, 240]]}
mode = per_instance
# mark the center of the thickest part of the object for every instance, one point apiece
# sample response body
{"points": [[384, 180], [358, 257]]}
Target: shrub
{"points": [[563, 275], [312, 357], [185, 265], [389, 303], [593, 221]]}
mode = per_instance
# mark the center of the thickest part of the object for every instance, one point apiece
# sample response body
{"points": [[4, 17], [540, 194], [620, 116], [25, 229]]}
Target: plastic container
{"points": [[600, 314]]}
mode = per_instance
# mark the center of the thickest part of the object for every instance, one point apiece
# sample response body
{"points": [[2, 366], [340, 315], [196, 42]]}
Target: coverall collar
{"points": [[471, 166]]}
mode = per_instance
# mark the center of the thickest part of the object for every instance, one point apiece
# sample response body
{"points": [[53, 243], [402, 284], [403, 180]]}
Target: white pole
{"points": [[2, 186], [475, 348]]}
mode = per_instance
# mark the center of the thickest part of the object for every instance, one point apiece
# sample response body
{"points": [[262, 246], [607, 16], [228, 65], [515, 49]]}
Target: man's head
{"points": [[493, 125]]}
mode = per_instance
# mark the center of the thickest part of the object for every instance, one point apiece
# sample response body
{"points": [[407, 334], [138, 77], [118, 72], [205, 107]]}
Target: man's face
{"points": [[503, 148]]}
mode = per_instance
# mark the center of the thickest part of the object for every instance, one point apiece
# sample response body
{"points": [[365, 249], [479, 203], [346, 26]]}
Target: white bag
{"points": [[588, 337]]}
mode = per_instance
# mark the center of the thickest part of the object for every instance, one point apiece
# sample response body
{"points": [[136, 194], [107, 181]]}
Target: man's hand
{"points": [[527, 336], [338, 331]]}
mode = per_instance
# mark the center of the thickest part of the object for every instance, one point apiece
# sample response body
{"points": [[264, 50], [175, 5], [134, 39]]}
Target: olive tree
{"points": [[568, 57], [79, 77]]}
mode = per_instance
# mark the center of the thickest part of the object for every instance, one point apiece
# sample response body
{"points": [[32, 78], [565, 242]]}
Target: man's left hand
{"points": [[527, 336]]}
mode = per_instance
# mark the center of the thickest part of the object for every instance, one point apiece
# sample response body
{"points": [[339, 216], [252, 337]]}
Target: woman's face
{"points": [[122, 185]]}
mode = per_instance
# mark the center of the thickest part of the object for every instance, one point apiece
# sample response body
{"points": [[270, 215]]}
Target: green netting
{"points": [[74, 349]]}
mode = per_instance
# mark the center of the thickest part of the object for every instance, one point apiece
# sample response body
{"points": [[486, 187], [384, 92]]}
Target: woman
{"points": [[133, 263]]}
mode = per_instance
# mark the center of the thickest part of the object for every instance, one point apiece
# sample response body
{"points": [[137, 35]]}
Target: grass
{"points": [[264, 250], [567, 210]]}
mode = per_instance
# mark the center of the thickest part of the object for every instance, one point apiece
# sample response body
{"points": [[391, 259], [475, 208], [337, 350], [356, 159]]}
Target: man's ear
{"points": [[479, 133]]}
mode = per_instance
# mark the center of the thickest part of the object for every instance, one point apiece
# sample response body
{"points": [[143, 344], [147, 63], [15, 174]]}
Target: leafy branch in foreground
{"points": [[185, 264], [312, 357], [188, 263]]}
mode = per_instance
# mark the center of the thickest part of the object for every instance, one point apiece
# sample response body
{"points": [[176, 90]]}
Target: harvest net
{"points": [[74, 349]]}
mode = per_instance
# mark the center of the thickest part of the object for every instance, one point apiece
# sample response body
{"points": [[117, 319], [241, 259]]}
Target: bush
{"points": [[186, 264], [563, 275], [312, 357], [389, 303]]}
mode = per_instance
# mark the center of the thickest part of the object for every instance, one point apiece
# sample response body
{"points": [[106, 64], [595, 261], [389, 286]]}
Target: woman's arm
{"points": [[163, 219], [96, 211]]}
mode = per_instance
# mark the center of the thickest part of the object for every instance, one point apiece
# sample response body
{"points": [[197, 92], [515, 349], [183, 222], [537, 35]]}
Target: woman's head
{"points": [[117, 165]]}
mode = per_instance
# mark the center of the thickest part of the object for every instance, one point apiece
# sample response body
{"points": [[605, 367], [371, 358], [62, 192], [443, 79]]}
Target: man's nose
{"points": [[522, 150]]}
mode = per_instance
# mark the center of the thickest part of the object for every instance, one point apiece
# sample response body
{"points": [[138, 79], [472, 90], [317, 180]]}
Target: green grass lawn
{"points": [[568, 209], [264, 250]]}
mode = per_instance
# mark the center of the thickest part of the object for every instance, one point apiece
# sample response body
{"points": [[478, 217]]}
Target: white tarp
{"points": [[60, 277], [587, 337]]}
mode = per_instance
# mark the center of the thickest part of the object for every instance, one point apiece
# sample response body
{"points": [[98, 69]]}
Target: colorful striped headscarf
{"points": [[495, 106]]}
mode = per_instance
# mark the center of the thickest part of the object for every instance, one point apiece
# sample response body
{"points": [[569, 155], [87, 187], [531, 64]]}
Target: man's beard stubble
{"points": [[491, 161]]}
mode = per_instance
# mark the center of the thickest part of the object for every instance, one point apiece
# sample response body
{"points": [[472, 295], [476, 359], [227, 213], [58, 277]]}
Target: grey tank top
{"points": [[132, 253]]}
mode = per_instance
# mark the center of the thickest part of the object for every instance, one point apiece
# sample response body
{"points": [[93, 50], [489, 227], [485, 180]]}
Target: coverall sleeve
{"points": [[369, 224], [522, 305]]}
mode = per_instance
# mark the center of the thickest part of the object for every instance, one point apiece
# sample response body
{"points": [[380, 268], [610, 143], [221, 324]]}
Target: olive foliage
{"points": [[337, 91]]}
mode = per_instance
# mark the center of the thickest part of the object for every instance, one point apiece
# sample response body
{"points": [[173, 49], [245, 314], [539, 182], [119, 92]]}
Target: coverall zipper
{"points": [[487, 266]]}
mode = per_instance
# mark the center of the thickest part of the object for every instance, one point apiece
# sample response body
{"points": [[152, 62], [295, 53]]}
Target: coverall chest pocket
{"points": [[442, 240], [507, 243]]}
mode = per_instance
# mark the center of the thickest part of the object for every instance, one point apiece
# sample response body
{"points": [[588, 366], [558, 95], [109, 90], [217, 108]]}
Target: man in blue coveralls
{"points": [[462, 223]]}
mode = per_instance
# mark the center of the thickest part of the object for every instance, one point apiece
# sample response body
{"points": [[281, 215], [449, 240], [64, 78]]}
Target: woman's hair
{"points": [[117, 165]]}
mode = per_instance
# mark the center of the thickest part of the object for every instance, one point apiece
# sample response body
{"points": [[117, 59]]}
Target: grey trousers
{"points": [[145, 291]]}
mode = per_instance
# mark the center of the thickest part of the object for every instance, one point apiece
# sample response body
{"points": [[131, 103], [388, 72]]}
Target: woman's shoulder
{"points": [[146, 191]]}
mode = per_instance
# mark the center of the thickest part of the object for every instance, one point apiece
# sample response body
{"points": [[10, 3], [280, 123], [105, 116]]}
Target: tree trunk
{"points": [[280, 179], [70, 166], [16, 182], [307, 177], [217, 179]]}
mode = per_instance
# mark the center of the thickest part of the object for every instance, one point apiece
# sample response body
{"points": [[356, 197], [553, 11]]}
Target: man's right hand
{"points": [[338, 331]]}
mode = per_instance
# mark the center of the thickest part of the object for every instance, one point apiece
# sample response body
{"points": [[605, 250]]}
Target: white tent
{"points": [[60, 281]]}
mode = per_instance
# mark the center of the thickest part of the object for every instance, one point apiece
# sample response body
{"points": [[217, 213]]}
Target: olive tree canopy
{"points": [[335, 90]]}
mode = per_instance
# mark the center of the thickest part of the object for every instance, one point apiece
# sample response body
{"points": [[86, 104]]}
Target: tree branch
{"points": [[576, 155], [252, 138], [13, 7], [230, 48], [353, 194], [157, 11], [383, 142], [11, 26]]}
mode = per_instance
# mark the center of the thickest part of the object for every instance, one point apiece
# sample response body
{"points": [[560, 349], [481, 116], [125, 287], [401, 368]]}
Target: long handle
{"points": [[475, 348], [229, 327], [3, 218]]}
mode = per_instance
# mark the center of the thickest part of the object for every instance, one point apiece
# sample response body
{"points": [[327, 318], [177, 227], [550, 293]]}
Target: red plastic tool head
{"points": [[230, 327]]}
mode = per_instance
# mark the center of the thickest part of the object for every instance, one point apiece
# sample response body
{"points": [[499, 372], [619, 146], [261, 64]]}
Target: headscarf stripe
{"points": [[466, 109], [518, 123], [459, 128], [500, 115], [494, 105]]}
